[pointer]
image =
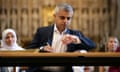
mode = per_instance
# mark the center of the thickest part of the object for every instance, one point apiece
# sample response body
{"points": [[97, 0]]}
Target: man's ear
{"points": [[54, 15]]}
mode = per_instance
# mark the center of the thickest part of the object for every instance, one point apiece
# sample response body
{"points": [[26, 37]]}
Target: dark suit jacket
{"points": [[45, 34]]}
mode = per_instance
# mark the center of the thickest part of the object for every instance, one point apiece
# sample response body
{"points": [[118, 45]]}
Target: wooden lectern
{"points": [[30, 58]]}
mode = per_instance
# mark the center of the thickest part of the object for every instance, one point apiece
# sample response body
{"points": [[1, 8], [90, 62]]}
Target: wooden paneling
{"points": [[97, 19]]}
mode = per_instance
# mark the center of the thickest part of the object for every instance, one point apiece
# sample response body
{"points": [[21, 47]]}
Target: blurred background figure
{"points": [[9, 40], [111, 45], [9, 43]]}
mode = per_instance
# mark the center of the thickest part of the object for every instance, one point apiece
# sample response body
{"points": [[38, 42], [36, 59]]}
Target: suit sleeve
{"points": [[86, 42], [36, 40]]}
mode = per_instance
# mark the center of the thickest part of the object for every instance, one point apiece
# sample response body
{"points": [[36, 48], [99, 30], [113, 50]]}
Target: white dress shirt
{"points": [[57, 44]]}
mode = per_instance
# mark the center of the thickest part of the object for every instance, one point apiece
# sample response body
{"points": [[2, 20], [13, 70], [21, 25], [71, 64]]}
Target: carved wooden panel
{"points": [[97, 19]]}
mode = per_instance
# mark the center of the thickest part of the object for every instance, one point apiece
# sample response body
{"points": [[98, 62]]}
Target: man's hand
{"points": [[48, 48], [67, 39]]}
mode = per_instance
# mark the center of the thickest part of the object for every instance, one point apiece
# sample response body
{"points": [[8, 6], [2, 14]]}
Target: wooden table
{"points": [[30, 58]]}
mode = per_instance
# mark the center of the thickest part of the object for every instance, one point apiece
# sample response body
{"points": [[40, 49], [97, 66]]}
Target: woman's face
{"points": [[9, 39], [112, 44]]}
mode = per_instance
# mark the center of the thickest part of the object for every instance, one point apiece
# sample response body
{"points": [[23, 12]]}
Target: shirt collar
{"points": [[56, 30]]}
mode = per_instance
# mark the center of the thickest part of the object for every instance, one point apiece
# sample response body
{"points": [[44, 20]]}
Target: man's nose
{"points": [[65, 20]]}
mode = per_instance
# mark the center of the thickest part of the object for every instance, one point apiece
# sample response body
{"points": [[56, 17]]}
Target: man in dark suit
{"points": [[58, 37]]}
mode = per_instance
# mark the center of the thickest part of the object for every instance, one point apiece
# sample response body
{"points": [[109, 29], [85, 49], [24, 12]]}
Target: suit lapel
{"points": [[50, 34], [67, 32]]}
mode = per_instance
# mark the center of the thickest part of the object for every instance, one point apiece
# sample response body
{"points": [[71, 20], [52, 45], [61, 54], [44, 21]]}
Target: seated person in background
{"points": [[9, 40], [111, 46], [9, 43], [59, 38], [115, 68]]}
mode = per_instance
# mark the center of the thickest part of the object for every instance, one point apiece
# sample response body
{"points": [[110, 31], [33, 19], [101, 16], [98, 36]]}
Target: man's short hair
{"points": [[64, 6]]}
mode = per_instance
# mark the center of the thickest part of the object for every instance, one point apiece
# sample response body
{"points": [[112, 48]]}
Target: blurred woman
{"points": [[9, 40], [9, 43], [111, 46]]}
